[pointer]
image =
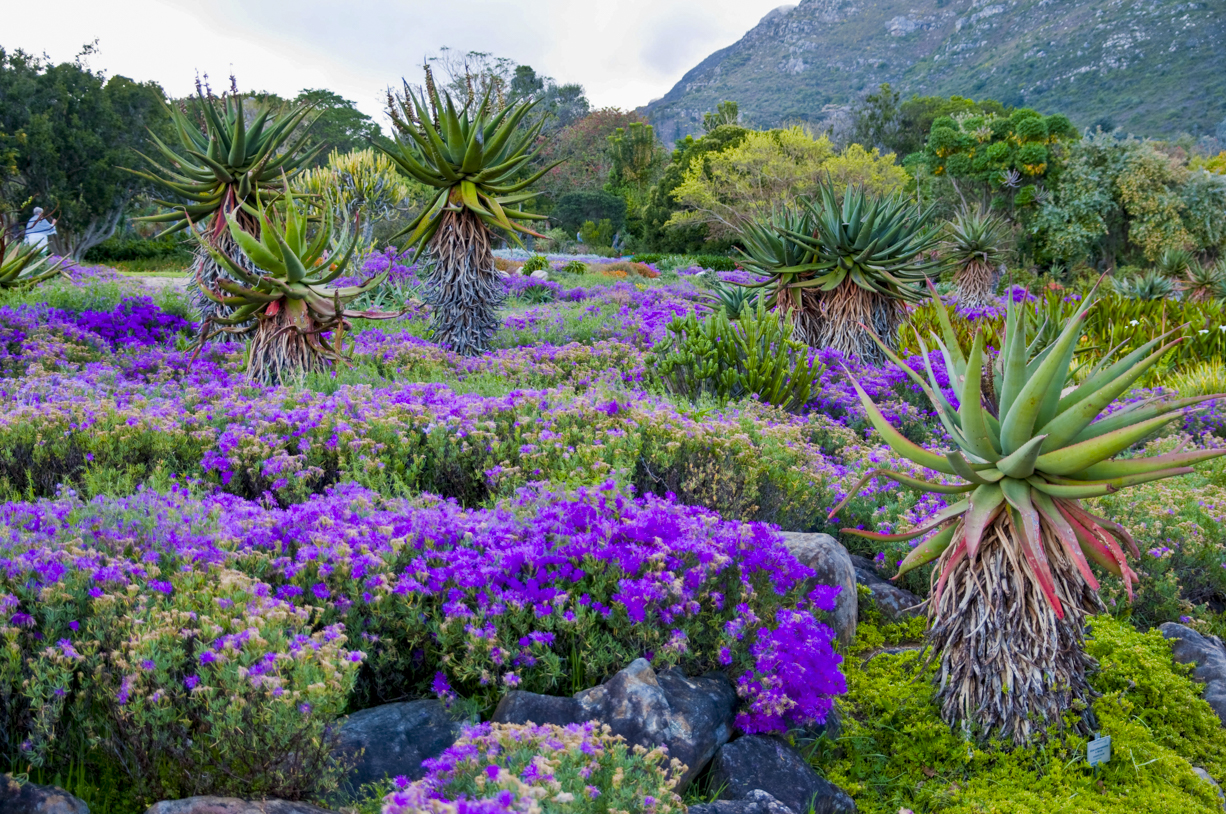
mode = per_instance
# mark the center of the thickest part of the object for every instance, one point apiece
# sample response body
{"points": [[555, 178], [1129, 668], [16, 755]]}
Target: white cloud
{"points": [[624, 53]]}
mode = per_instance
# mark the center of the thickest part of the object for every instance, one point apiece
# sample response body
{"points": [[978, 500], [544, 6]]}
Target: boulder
{"points": [[1209, 656], [519, 707], [232, 805], [895, 604], [692, 717], [832, 566], [29, 798], [756, 802], [1208, 778], [540, 274], [767, 763], [393, 739]]}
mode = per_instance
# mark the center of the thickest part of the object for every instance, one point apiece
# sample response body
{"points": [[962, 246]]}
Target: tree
{"points": [[725, 113], [583, 149], [661, 203], [884, 121], [1124, 197], [769, 170], [472, 158], [636, 158], [338, 125], [68, 131], [576, 208]]}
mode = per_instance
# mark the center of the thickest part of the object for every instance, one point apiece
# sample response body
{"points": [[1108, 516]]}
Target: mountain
{"points": [[1152, 67]]}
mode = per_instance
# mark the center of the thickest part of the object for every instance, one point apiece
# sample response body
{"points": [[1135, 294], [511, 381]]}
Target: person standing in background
{"points": [[39, 229]]}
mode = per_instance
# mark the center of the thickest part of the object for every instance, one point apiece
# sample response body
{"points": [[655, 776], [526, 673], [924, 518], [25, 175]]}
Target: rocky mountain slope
{"points": [[1152, 67]]}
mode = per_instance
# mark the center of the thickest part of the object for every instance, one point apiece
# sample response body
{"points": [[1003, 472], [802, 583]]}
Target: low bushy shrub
{"points": [[121, 248], [537, 262], [510, 769]]}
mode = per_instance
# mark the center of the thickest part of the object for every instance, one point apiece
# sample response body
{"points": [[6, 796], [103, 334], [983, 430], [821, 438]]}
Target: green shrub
{"points": [[575, 267], [119, 249], [753, 357], [896, 753], [536, 262], [195, 683]]}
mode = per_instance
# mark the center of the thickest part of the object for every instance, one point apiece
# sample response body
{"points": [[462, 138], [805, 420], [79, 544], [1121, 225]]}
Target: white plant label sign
{"points": [[1098, 750]]}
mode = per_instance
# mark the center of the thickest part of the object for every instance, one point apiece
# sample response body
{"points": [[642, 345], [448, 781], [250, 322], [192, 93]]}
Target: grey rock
{"points": [[1209, 656], [692, 717], [1208, 778], [29, 798], [756, 802], [393, 739], [895, 604], [232, 805], [539, 274], [766, 763], [832, 566], [519, 707]]}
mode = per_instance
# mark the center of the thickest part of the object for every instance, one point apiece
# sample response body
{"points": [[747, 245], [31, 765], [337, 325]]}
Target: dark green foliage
{"points": [[127, 247], [67, 130], [574, 209], [713, 262], [536, 262], [753, 356], [338, 124]]}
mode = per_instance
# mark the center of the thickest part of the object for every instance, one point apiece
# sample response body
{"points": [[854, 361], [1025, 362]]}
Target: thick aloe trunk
{"points": [[463, 289], [1009, 667], [205, 275], [286, 345], [837, 319], [976, 284]]}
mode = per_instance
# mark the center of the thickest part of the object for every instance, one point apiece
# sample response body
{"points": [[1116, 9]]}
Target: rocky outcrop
{"points": [[1209, 656], [29, 798], [832, 566], [393, 739], [761, 762], [692, 717]]}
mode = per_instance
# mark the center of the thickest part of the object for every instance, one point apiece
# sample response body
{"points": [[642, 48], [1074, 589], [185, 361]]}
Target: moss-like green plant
{"points": [[536, 262], [753, 356]]}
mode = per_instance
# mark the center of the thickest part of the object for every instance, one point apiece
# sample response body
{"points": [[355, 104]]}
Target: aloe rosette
{"points": [[476, 156], [973, 241], [223, 163], [23, 265], [300, 318], [1014, 578]]}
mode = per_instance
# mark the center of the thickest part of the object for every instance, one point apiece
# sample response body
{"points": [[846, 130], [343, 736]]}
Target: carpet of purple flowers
{"points": [[415, 524]]}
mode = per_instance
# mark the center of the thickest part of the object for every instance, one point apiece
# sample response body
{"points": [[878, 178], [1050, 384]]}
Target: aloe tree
{"points": [[299, 318], [222, 165], [1014, 547], [475, 157], [842, 269], [973, 243]]}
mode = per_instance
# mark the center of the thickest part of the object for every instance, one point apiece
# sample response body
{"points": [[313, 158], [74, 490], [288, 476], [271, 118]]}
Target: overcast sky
{"points": [[624, 52]]}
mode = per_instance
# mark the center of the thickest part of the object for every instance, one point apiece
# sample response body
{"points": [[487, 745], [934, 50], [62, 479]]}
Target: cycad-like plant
{"points": [[1175, 262], [733, 299], [1014, 581], [23, 265], [973, 246], [300, 319], [1205, 282], [847, 267], [476, 156], [222, 164], [1148, 285]]}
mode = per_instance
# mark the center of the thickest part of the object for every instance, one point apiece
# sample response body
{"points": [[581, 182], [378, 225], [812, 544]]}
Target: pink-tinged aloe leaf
{"points": [[1137, 466], [986, 503], [1030, 539], [906, 480], [948, 513], [1110, 525], [1100, 539], [928, 550], [1064, 532]]}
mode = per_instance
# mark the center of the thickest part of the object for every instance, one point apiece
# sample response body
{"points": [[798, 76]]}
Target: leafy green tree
{"points": [[575, 208], [67, 132], [661, 203], [886, 121], [772, 169], [583, 147], [636, 158], [338, 126]]}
